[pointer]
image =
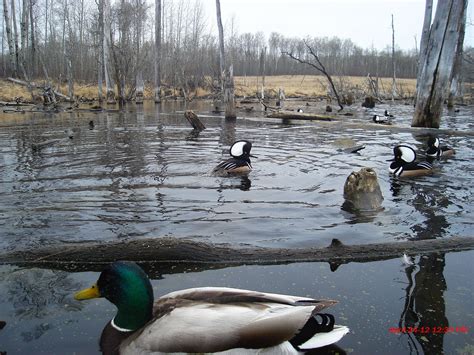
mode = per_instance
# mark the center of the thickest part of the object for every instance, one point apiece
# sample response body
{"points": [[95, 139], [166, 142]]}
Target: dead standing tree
{"points": [[226, 76], [438, 62], [157, 58], [318, 65]]}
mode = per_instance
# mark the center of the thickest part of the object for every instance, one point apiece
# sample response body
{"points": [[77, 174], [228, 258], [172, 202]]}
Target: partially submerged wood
{"points": [[194, 120], [178, 251], [291, 115]]}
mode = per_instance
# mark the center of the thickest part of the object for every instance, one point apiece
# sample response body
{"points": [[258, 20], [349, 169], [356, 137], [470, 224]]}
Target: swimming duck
{"points": [[437, 151], [208, 319], [388, 114], [403, 164], [240, 161], [381, 120], [300, 110]]}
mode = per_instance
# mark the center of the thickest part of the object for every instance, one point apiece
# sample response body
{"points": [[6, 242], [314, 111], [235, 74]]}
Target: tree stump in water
{"points": [[369, 102], [193, 119]]}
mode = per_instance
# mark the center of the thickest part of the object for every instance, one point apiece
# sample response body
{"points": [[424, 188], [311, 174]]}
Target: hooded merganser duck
{"points": [[381, 120], [300, 110], [388, 114], [437, 151], [403, 164], [207, 319], [240, 161]]}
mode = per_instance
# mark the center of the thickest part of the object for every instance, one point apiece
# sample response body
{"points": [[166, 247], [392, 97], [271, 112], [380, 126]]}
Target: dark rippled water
{"points": [[436, 293], [141, 173]]}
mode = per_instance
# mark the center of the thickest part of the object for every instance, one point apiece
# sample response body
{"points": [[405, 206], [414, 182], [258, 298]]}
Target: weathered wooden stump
{"points": [[193, 119], [369, 102]]}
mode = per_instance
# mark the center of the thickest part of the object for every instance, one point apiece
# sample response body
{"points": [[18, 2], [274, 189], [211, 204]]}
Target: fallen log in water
{"points": [[175, 251], [290, 115]]}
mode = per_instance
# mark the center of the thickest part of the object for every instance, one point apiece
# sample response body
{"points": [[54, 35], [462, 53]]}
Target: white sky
{"points": [[365, 22]]}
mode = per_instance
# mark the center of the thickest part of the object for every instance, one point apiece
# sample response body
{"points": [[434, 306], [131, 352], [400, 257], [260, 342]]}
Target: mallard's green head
{"points": [[127, 286]]}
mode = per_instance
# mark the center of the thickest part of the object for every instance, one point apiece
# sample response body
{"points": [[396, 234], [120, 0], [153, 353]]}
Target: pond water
{"points": [[43, 318], [141, 173]]}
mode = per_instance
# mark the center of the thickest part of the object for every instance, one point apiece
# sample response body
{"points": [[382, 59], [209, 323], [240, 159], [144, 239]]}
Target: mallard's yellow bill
{"points": [[88, 293]]}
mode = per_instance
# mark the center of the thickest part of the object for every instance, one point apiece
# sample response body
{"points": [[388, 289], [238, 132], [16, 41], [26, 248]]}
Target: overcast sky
{"points": [[365, 22]]}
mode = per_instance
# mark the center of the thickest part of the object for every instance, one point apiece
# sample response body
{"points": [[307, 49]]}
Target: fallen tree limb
{"points": [[36, 86], [175, 251], [290, 115]]}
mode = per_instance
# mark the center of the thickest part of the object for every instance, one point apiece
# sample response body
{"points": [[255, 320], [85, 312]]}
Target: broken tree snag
{"points": [[139, 88], [291, 115], [438, 62], [229, 99], [281, 98], [193, 119]]}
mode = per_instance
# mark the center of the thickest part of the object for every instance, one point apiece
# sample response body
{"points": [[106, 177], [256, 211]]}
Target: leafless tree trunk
{"points": [[11, 46], [262, 70], [107, 43], [157, 59], [100, 59], [227, 77], [456, 81], [394, 86], [221, 45], [425, 36], [438, 63], [15, 35], [139, 83], [33, 40]]}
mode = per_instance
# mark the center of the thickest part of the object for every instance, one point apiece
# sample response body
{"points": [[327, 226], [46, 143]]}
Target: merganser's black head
{"points": [[433, 142]]}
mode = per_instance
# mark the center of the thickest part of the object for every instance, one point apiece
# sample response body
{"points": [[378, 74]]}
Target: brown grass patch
{"points": [[293, 85]]}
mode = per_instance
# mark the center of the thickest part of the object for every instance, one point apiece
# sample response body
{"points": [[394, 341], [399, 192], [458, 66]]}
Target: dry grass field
{"points": [[293, 86]]}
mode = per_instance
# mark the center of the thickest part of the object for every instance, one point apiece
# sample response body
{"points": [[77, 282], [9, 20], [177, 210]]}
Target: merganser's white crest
{"points": [[237, 149], [408, 155]]}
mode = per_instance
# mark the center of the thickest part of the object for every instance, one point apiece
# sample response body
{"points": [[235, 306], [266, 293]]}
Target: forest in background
{"points": [[51, 37]]}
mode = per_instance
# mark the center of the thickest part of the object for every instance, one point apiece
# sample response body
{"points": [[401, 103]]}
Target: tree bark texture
{"points": [[157, 60], [438, 63], [11, 45], [107, 40], [425, 36]]}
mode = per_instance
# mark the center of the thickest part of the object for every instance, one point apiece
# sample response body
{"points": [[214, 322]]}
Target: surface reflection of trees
{"points": [[425, 308], [430, 201]]}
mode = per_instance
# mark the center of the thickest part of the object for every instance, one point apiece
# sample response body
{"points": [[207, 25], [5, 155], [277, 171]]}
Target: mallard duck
{"points": [[208, 319]]}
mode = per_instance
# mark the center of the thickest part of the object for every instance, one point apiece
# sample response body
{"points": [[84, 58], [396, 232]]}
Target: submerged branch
{"points": [[182, 251]]}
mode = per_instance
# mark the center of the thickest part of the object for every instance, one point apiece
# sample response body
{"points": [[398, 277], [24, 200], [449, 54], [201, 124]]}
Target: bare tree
{"points": [[157, 58], [227, 76], [438, 62], [394, 84], [318, 65], [107, 42], [11, 46]]}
